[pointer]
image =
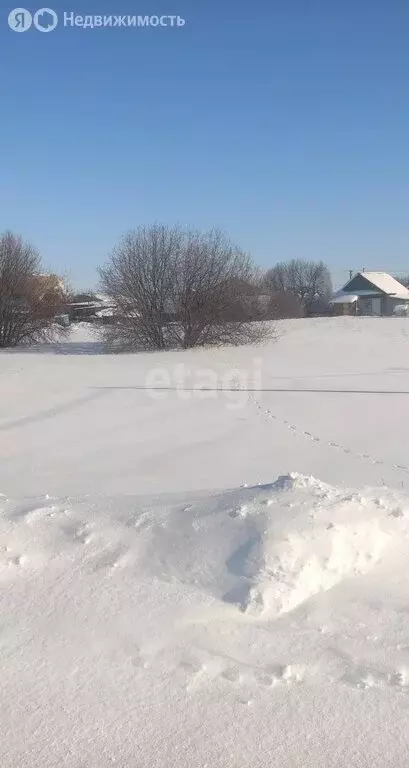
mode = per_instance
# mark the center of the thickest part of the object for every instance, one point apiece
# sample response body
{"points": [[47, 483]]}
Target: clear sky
{"points": [[285, 122]]}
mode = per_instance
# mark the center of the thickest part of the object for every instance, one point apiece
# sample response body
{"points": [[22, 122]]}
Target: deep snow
{"points": [[207, 577]]}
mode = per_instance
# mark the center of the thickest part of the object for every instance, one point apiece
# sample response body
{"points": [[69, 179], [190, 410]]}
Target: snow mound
{"points": [[290, 540], [132, 606], [264, 549], [324, 537]]}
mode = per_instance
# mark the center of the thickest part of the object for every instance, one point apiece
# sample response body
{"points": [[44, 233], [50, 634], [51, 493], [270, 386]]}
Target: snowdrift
{"points": [[181, 632]]}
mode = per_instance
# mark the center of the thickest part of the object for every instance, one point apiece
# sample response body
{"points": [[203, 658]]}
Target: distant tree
{"points": [[284, 306], [29, 300], [176, 288], [249, 300], [403, 280], [214, 293], [310, 281]]}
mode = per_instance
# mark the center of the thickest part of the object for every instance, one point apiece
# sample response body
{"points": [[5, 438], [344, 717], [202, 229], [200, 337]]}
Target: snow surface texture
{"points": [[171, 593]]}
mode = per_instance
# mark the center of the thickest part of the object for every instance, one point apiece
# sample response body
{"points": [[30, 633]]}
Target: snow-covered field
{"points": [[195, 575]]}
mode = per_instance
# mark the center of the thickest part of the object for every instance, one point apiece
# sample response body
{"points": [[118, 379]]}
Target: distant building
{"points": [[370, 293], [91, 308], [50, 285]]}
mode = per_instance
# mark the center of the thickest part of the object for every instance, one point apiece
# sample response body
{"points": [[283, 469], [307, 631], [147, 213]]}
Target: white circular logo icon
{"points": [[45, 20], [20, 20]]}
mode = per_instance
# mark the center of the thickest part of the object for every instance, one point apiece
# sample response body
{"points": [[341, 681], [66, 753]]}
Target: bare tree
{"points": [[310, 281], [175, 288], [29, 301], [215, 293], [138, 279]]}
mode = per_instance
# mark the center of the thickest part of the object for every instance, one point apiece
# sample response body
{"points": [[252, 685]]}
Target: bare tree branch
{"points": [[29, 301]]}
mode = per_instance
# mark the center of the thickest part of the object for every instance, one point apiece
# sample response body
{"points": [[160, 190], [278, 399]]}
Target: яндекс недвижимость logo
{"points": [[46, 20], [21, 20]]}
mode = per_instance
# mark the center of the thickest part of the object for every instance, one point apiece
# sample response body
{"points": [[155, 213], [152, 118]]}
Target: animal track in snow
{"points": [[195, 673], [240, 676], [266, 677], [15, 563], [362, 678], [266, 412], [231, 674]]}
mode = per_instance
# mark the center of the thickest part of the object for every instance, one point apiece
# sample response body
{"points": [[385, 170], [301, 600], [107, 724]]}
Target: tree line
{"points": [[170, 287]]}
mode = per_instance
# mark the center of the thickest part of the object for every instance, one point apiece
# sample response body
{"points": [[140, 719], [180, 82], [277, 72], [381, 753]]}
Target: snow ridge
{"points": [[120, 608]]}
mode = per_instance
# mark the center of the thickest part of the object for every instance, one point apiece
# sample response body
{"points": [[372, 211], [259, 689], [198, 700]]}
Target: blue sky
{"points": [[285, 122]]}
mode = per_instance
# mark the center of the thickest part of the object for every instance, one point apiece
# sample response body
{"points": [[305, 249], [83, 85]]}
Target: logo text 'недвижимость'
{"points": [[46, 20]]}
